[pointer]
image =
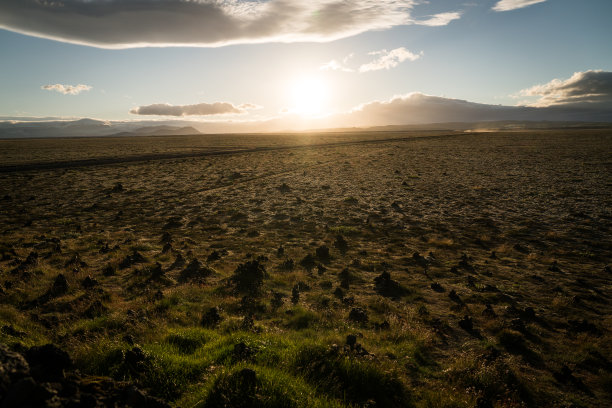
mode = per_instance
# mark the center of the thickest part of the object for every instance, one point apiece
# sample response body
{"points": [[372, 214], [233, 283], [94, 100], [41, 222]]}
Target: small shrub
{"points": [[248, 277]]}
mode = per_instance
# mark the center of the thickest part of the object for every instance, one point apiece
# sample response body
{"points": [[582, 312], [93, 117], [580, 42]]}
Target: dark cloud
{"points": [[582, 88], [418, 108], [200, 109], [133, 23]]}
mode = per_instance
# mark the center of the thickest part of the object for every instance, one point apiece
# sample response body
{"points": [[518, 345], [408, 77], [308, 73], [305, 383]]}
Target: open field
{"points": [[431, 269]]}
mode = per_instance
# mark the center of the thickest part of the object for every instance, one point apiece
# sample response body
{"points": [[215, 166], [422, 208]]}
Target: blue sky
{"points": [[483, 56]]}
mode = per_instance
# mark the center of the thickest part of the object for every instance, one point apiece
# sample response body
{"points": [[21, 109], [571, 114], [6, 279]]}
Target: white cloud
{"points": [[389, 59], [67, 89], [440, 19], [335, 65], [507, 5], [200, 109], [137, 23], [588, 87]]}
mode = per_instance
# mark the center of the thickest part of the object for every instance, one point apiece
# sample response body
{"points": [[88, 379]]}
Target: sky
{"points": [[243, 61]]}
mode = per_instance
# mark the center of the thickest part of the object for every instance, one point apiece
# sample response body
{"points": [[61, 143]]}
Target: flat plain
{"points": [[387, 269]]}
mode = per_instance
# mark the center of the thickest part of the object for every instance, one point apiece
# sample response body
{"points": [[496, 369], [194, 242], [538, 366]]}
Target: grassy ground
{"points": [[440, 271]]}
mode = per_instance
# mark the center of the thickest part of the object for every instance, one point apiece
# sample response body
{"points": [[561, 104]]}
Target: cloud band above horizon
{"points": [[200, 109], [137, 23]]}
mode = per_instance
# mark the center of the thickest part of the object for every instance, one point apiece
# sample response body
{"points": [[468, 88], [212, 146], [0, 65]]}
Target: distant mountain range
{"points": [[412, 112]]}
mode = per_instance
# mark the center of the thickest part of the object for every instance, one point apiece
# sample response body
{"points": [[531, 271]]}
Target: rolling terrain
{"points": [[337, 269]]}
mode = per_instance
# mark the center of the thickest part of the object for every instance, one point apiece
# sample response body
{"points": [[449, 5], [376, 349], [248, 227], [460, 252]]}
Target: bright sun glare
{"points": [[309, 96]]}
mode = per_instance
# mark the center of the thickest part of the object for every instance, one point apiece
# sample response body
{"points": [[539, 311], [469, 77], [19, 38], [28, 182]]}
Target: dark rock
{"points": [[308, 262], [75, 262], [483, 402], [277, 300], [489, 312], [166, 238], [12, 368], [132, 259], [134, 359], [420, 260], [384, 325], [248, 277], [295, 294], [48, 362], [528, 313], [60, 286], [518, 324], [89, 282], [213, 256], [346, 278], [582, 326], [436, 287], [96, 309], [195, 271], [466, 323], [26, 392], [322, 254], [351, 340], [554, 267], [284, 188], [339, 293], [179, 262], [358, 315], [340, 244], [348, 300], [109, 270], [156, 271], [211, 318], [452, 295], [117, 188], [321, 269], [385, 286]]}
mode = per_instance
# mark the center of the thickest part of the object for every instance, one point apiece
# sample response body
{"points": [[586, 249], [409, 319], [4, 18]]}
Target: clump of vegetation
{"points": [[249, 277]]}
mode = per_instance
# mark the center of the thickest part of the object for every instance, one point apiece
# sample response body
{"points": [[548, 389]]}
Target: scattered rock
{"points": [[211, 318], [117, 188], [489, 312], [132, 259], [89, 282], [295, 294], [385, 286], [308, 262], [179, 262], [96, 309], [358, 315], [340, 244], [195, 271], [322, 254], [436, 287], [109, 270], [284, 188], [466, 323], [454, 296], [60, 286]]}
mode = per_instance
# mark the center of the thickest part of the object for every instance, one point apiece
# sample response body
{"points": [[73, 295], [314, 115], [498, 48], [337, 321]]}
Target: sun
{"points": [[309, 96]]}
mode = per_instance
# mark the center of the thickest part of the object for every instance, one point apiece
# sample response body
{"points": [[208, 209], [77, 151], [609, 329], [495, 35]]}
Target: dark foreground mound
{"points": [[41, 376]]}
